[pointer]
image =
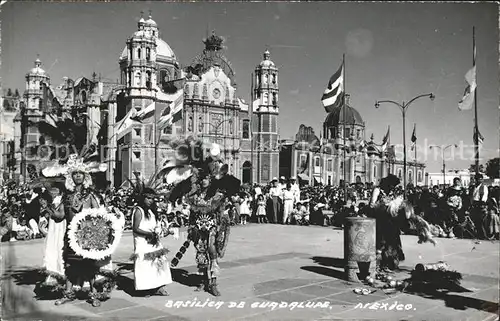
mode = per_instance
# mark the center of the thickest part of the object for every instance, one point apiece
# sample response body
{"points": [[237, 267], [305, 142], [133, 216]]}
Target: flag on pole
{"points": [[49, 119], [122, 127], [173, 112], [414, 137], [470, 77], [478, 138], [386, 138], [334, 92], [145, 115]]}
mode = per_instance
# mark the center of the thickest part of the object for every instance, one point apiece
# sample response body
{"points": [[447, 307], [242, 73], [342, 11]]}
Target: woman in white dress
{"points": [[151, 266], [54, 243]]}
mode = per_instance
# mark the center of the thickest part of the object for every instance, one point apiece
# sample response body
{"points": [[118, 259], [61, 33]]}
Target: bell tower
{"points": [[138, 77], [265, 113]]}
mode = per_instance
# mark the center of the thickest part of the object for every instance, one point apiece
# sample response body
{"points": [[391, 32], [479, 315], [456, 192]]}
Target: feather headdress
{"points": [[196, 166], [154, 186]]}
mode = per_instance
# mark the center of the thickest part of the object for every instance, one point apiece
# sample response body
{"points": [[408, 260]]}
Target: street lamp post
{"points": [[443, 149], [404, 107]]}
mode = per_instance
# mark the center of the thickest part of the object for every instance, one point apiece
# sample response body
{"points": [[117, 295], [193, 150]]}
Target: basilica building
{"points": [[212, 108], [150, 73], [328, 160]]}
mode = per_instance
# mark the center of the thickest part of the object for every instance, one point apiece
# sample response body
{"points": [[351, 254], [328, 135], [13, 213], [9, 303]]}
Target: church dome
{"points": [[37, 70], [163, 50], [336, 117], [150, 22], [266, 62]]}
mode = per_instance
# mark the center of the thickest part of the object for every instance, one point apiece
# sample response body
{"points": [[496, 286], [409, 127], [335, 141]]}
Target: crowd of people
{"points": [[454, 211]]}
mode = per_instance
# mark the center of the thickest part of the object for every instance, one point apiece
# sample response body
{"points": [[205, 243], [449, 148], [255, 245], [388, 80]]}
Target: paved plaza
{"points": [[265, 270]]}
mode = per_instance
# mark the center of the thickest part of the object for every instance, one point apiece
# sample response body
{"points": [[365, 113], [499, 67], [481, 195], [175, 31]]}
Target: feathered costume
{"points": [[197, 174], [81, 257], [391, 212], [151, 266]]}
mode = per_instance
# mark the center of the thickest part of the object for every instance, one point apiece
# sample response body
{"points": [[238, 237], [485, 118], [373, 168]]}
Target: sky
{"points": [[394, 51]]}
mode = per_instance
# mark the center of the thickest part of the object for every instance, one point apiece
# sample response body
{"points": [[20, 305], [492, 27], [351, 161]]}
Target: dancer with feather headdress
{"points": [[92, 233], [391, 211], [197, 174], [151, 267]]}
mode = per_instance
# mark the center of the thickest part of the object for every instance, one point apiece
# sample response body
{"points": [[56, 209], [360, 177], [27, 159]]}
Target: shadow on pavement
{"points": [[456, 301], [185, 278], [338, 274], [17, 301], [329, 261], [126, 283]]}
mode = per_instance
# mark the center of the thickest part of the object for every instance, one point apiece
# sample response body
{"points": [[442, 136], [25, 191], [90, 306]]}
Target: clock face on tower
{"points": [[216, 93]]}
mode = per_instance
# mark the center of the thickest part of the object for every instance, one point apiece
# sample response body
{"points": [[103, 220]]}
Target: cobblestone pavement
{"points": [[270, 272]]}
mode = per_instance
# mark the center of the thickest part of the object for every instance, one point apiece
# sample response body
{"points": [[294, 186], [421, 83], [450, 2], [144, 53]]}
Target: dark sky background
{"points": [[393, 51]]}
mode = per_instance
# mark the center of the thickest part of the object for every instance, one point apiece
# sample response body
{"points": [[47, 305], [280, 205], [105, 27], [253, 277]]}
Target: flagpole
{"points": [[343, 134], [155, 139], [476, 127], [415, 146], [250, 107]]}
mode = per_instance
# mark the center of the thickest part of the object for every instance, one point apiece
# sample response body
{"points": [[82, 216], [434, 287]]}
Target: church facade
{"points": [[343, 154], [212, 109]]}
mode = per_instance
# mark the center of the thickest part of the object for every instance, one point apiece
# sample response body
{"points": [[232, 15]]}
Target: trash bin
{"points": [[359, 248]]}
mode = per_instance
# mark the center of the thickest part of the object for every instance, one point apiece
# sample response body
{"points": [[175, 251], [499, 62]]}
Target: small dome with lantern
{"points": [[37, 70], [150, 22], [267, 63]]}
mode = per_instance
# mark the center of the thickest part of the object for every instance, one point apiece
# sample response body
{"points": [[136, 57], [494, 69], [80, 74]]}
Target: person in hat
{"points": [[78, 183], [275, 194], [282, 186], [479, 199]]}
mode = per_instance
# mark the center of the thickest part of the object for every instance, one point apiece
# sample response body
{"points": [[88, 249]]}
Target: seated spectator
{"points": [[6, 221], [300, 213]]}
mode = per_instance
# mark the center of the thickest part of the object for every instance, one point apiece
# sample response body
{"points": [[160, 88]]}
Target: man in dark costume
{"points": [[208, 190]]}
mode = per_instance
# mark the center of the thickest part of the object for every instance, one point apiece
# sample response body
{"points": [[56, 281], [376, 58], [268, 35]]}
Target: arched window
{"points": [[274, 79], [275, 99], [410, 176], [419, 176], [148, 79], [246, 129], [148, 53], [400, 173], [138, 53], [138, 79], [374, 171], [265, 100]]}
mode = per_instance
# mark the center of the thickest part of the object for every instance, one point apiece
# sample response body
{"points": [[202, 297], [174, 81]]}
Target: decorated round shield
{"points": [[94, 233]]}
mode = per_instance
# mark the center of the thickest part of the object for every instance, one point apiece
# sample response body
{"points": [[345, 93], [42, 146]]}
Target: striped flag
{"points": [[470, 77], [122, 127], [478, 138], [334, 92], [49, 119], [386, 138], [173, 112], [414, 137], [145, 115]]}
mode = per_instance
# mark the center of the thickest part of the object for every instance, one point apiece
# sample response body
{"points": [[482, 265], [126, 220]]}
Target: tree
{"points": [[493, 168], [472, 168]]}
